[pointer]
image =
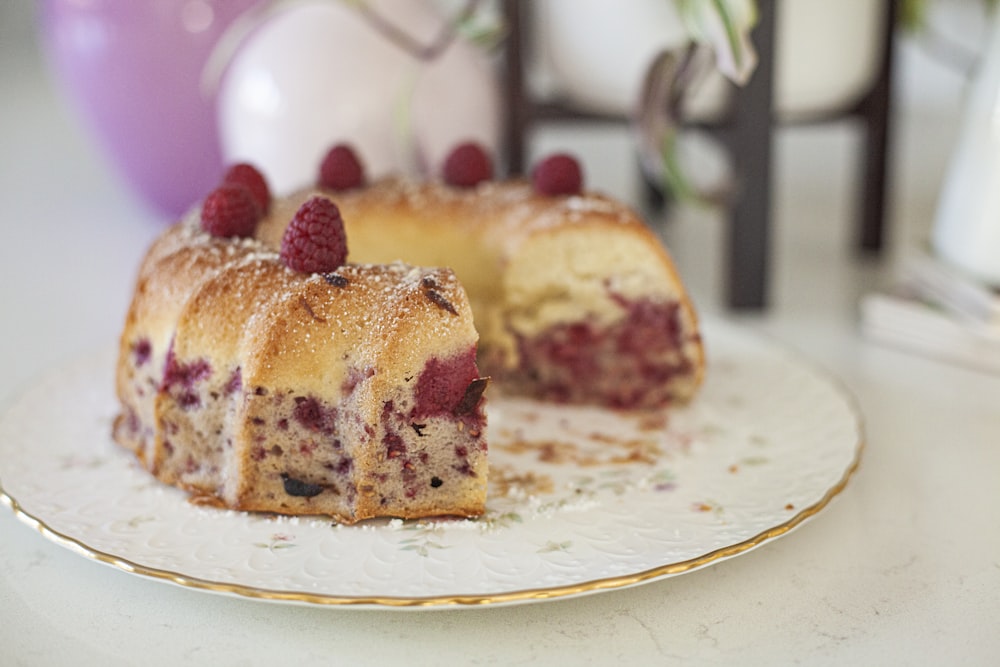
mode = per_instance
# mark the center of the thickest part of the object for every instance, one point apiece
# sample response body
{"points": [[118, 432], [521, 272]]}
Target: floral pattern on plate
{"points": [[581, 500]]}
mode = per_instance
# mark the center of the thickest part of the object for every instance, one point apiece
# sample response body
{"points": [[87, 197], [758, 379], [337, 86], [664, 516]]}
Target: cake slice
{"points": [[352, 393]]}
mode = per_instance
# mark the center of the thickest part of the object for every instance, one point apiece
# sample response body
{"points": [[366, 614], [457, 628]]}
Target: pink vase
{"points": [[133, 71]]}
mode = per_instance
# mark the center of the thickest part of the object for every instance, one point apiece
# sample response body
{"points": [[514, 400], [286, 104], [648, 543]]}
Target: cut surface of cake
{"points": [[574, 297], [352, 393], [266, 364]]}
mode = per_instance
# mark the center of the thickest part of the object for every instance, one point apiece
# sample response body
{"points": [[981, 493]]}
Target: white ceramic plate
{"points": [[581, 500]]}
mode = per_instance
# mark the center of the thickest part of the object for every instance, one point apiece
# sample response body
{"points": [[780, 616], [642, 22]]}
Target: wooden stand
{"points": [[746, 129]]}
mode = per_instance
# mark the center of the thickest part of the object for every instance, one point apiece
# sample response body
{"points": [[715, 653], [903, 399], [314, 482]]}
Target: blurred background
{"points": [[65, 125], [902, 561]]}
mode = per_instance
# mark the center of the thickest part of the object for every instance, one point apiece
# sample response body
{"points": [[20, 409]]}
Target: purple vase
{"points": [[134, 70]]}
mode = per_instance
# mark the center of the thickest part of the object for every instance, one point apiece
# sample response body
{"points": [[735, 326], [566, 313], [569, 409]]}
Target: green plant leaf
{"points": [[725, 26]]}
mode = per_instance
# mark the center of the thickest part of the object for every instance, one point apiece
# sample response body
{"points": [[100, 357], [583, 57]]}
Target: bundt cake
{"points": [[352, 393], [261, 371], [574, 297]]}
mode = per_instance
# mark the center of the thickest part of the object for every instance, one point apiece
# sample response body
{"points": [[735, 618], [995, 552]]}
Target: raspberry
{"points": [[558, 174], [229, 210], [467, 165], [341, 169], [315, 241], [248, 176]]}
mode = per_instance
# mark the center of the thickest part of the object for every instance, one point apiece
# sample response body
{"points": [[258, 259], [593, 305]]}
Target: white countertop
{"points": [[902, 568]]}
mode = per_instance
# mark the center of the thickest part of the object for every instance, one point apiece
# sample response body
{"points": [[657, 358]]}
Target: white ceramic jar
{"points": [[317, 73], [966, 230]]}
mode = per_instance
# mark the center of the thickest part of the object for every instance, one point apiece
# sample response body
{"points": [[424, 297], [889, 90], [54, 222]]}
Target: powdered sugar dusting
{"points": [[383, 292]]}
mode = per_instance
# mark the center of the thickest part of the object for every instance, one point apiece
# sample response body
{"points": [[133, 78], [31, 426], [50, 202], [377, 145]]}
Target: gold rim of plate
{"points": [[481, 600], [525, 595]]}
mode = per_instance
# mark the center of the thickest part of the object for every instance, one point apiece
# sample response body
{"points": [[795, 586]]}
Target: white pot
{"points": [[318, 73], [967, 227], [595, 52]]}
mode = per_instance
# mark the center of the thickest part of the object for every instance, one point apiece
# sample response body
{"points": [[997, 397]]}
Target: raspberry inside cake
{"points": [[290, 355], [353, 393], [575, 299]]}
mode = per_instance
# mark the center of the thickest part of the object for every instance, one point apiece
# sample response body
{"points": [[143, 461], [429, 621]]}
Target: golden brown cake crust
{"points": [[223, 345], [531, 264], [256, 387]]}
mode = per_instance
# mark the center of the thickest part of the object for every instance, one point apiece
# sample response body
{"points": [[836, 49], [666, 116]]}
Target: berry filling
{"points": [[296, 487], [298, 444], [179, 379], [447, 386], [575, 359], [235, 382], [142, 351], [312, 416]]}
